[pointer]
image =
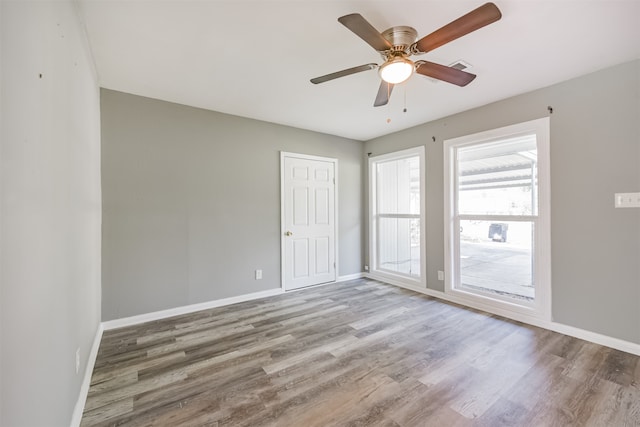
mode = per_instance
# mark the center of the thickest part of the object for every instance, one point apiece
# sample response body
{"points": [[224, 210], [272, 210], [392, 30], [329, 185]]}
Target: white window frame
{"points": [[540, 308], [385, 275]]}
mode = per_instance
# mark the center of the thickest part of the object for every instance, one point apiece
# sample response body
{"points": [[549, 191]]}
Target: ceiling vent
{"points": [[460, 65]]}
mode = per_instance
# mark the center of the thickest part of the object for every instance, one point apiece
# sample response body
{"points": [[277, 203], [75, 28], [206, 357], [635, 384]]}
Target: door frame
{"points": [[283, 155]]}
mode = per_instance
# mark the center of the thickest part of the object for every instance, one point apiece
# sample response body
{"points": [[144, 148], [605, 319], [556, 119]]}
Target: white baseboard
{"points": [[186, 309], [348, 277], [594, 337], [338, 280], [583, 334], [86, 381]]}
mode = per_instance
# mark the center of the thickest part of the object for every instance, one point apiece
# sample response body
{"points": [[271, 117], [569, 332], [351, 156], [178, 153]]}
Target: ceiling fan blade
{"points": [[477, 18], [343, 73], [384, 92], [363, 29], [444, 73]]}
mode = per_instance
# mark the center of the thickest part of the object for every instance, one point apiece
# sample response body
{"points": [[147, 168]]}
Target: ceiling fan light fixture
{"points": [[396, 70]]}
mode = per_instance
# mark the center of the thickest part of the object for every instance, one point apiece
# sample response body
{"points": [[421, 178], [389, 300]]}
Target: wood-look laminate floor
{"points": [[360, 353]]}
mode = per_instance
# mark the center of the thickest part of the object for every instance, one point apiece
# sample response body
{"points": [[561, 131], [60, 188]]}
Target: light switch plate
{"points": [[627, 200]]}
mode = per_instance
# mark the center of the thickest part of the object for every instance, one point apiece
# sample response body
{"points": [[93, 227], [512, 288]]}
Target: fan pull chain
{"points": [[404, 110], [388, 102]]}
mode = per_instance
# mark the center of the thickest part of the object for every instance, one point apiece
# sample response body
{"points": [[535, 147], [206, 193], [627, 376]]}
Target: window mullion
{"points": [[405, 216], [504, 218]]}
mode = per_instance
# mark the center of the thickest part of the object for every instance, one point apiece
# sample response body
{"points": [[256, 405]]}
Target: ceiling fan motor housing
{"points": [[400, 37], [397, 66]]}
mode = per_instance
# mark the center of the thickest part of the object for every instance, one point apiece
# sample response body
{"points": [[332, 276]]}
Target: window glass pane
{"points": [[398, 189], [498, 178], [497, 257], [399, 245]]}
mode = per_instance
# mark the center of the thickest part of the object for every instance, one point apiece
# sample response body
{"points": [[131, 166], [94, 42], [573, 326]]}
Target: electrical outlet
{"points": [[78, 360], [366, 268], [627, 200], [440, 275], [258, 274]]}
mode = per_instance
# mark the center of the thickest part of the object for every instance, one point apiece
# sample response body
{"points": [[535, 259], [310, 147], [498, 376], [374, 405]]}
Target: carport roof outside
{"points": [[502, 164]]}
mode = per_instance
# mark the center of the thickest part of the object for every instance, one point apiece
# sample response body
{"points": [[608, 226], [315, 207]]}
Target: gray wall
{"points": [[50, 214], [595, 152], [191, 203]]}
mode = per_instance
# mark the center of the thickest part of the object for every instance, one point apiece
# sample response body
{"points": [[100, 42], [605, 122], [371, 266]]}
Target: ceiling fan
{"points": [[397, 44]]}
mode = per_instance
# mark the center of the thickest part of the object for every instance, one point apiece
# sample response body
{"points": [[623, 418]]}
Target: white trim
{"points": [[336, 211], [78, 410], [583, 334], [305, 288], [387, 275], [336, 215], [596, 338], [541, 307], [348, 277], [186, 309]]}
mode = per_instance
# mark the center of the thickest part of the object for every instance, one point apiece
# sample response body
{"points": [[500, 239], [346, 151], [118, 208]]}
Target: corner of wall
{"points": [[1, 226], [50, 247]]}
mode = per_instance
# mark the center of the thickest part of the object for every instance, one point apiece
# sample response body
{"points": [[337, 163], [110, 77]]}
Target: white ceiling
{"points": [[255, 58]]}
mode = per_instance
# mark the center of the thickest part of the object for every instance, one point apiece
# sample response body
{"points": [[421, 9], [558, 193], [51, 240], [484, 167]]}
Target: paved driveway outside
{"points": [[497, 267]]}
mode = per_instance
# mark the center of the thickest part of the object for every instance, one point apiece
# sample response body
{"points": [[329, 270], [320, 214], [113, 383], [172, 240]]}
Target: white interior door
{"points": [[308, 222]]}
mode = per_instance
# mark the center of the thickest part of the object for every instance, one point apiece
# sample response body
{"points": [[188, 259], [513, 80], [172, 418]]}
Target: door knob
{"points": [[288, 233]]}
